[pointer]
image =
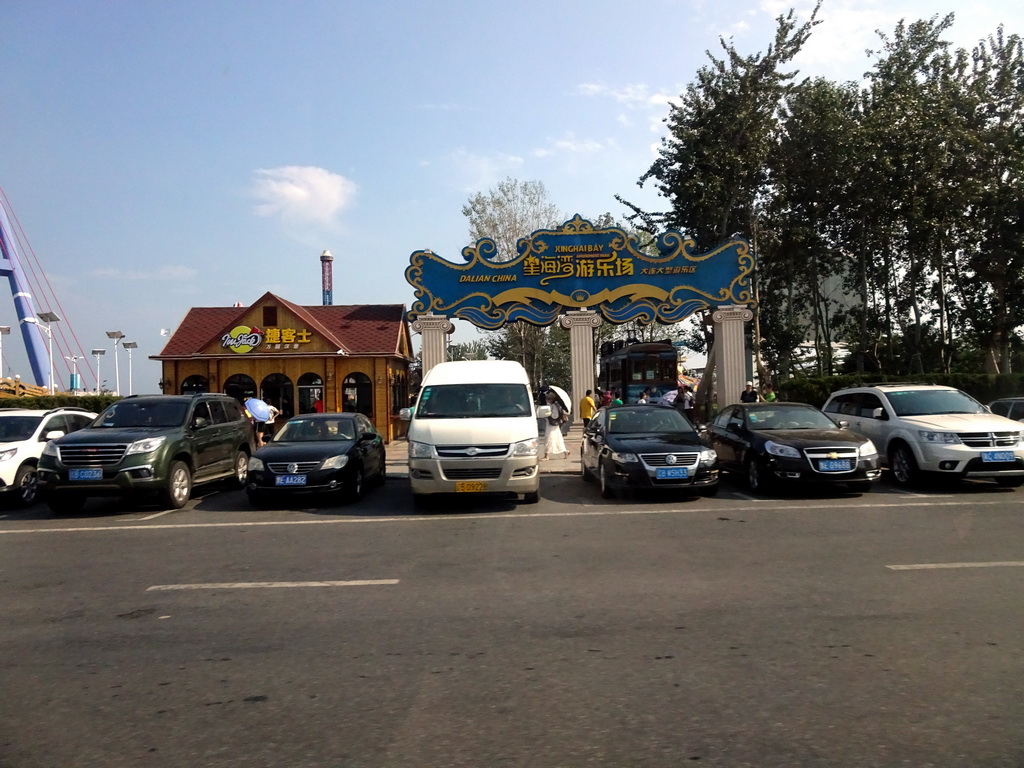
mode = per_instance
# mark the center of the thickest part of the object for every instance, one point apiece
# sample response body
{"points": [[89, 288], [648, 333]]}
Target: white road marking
{"points": [[939, 566], [272, 585], [605, 511], [158, 514]]}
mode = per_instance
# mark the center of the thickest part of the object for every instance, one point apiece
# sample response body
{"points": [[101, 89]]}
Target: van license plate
{"points": [[834, 465], [85, 474], [290, 480], [997, 456], [671, 473], [467, 487]]}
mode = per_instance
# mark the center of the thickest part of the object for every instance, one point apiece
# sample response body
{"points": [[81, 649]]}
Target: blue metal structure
{"points": [[10, 265]]}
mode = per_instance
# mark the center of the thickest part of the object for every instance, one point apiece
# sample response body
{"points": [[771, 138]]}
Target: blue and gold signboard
{"points": [[577, 266]]}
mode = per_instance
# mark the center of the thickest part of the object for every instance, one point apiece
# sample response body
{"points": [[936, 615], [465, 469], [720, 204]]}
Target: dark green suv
{"points": [[160, 445]]}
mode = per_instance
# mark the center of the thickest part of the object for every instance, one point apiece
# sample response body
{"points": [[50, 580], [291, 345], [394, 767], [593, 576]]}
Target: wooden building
{"points": [[298, 358]]}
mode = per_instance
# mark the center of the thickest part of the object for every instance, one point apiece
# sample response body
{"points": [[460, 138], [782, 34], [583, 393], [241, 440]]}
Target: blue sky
{"points": [[160, 156]]}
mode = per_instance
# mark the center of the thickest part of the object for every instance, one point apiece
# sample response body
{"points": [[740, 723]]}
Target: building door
{"points": [[357, 394]]}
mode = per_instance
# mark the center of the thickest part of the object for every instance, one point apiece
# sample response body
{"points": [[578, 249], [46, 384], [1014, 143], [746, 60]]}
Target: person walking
{"points": [[617, 400], [606, 398], [554, 443], [769, 394], [642, 400], [749, 394], [686, 398], [587, 408]]}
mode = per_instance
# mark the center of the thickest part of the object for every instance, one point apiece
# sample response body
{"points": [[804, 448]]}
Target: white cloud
{"points": [[301, 194], [570, 145]]}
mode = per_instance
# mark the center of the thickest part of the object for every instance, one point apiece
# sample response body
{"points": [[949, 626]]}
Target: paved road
{"points": [[803, 630]]}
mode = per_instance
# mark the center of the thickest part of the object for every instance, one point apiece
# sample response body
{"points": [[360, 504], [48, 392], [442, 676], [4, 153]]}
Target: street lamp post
{"points": [[48, 318], [98, 353], [4, 330], [130, 345], [116, 336], [74, 372]]}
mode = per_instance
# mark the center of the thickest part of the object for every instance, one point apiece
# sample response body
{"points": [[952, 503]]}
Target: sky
{"points": [[158, 156]]}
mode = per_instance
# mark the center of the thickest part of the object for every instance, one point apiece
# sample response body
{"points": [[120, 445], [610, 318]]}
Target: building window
{"points": [[277, 390], [270, 317], [240, 387], [194, 384], [311, 393], [357, 394]]}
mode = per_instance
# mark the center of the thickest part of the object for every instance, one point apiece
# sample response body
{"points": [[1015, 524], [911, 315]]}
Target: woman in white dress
{"points": [[554, 444]]}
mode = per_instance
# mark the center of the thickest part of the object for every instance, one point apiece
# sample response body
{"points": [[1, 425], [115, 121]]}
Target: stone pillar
{"points": [[581, 325], [730, 351], [434, 329]]}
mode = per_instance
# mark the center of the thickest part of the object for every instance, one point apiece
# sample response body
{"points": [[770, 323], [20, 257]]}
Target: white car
{"points": [[930, 428], [23, 434]]}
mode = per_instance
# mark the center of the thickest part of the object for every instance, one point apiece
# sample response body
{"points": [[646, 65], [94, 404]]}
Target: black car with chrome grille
{"points": [[772, 443], [647, 447], [331, 454]]}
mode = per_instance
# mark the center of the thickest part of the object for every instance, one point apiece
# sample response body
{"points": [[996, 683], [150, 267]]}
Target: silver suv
{"points": [[929, 428], [23, 434]]}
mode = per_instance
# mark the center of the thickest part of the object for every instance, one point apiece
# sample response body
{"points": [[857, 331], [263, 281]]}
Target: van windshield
{"points": [[473, 401]]}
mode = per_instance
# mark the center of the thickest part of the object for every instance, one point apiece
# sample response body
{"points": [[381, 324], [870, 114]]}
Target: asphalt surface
{"points": [[805, 629]]}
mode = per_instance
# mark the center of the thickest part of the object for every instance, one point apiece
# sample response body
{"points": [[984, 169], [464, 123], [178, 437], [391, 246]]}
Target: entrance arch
{"points": [[240, 386], [278, 390], [195, 384], [357, 394], [311, 392]]}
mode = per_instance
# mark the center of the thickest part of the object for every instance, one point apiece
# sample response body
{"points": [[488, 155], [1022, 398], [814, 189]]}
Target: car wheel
{"points": [[26, 481], [241, 469], [859, 486], [65, 503], [606, 489], [355, 488], [903, 465], [179, 486], [1010, 482], [757, 478], [531, 498]]}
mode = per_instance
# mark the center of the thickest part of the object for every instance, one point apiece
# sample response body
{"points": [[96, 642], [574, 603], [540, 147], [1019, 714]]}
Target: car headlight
{"points": [[50, 449], [867, 449], [525, 447], [335, 462], [255, 465], [148, 445], [8, 454], [950, 438], [624, 458], [778, 449], [420, 450], [708, 456]]}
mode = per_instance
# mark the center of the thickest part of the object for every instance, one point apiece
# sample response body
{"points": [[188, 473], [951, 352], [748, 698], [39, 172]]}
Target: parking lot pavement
{"points": [[398, 456]]}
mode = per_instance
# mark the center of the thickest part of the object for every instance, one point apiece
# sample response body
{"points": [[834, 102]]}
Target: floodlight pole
{"points": [[116, 336]]}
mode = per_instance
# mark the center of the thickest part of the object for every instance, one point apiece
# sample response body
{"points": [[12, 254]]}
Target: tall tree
{"points": [[505, 214]]}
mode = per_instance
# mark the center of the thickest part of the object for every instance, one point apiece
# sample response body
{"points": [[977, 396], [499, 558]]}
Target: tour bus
{"points": [[473, 430]]}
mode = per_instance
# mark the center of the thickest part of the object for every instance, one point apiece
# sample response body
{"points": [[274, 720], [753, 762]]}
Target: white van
{"points": [[474, 430]]}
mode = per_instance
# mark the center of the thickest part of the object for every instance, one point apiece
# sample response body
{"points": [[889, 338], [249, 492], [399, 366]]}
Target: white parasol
{"points": [[563, 397]]}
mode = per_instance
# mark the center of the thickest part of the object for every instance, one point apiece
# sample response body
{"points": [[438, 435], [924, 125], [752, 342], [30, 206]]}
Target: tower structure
{"points": [[327, 276]]}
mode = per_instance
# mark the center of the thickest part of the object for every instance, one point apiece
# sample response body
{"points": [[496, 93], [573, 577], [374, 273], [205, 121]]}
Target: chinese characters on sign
{"points": [[578, 266], [243, 338]]}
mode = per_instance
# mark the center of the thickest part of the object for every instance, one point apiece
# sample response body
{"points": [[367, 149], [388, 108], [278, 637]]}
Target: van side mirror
{"points": [[405, 414], [199, 422], [543, 411], [879, 413], [53, 434]]}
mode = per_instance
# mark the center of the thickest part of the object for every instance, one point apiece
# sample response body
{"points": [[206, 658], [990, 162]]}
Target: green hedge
{"points": [[982, 386], [95, 403]]}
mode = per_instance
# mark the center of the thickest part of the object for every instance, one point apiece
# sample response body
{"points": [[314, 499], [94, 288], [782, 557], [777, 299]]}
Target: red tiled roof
{"points": [[362, 329]]}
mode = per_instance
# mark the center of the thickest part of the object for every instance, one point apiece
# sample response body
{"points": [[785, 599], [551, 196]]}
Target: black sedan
{"points": [[791, 442], [646, 447], [317, 453]]}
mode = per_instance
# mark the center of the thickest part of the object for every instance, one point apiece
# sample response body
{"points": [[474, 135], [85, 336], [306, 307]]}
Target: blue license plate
{"points": [[85, 474], [997, 456], [671, 473], [290, 480], [834, 465]]}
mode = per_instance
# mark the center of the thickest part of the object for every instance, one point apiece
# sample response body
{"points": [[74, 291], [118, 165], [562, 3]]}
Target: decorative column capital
{"points": [[432, 323], [582, 317], [732, 312]]}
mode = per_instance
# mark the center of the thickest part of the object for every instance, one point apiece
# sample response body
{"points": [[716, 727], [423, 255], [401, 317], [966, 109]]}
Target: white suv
{"points": [[23, 434], [930, 428]]}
